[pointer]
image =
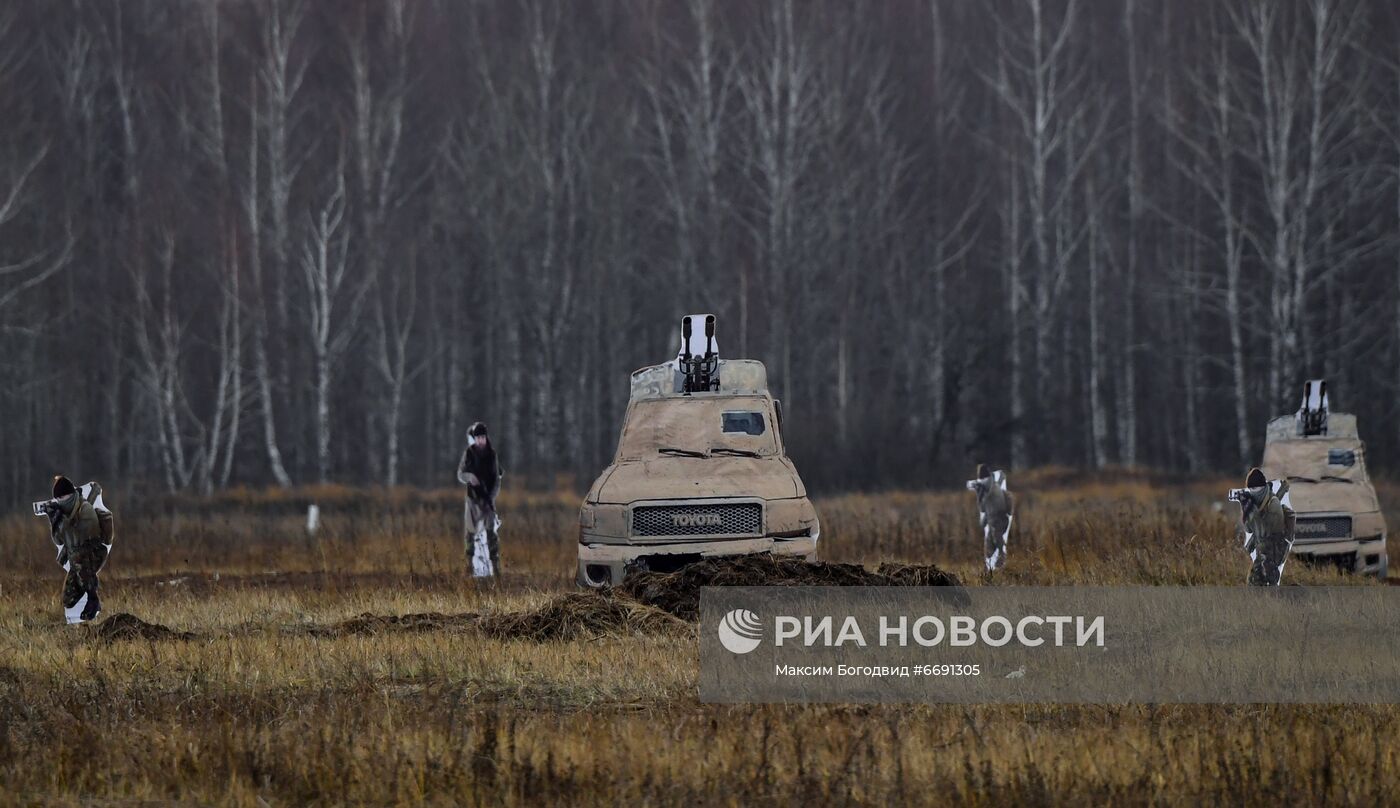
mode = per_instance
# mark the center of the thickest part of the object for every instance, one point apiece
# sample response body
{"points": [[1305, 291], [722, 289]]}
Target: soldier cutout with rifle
{"points": [[480, 471]]}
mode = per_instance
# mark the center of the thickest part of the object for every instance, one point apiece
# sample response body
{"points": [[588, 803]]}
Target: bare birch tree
{"points": [[279, 77], [334, 305], [1041, 82], [1210, 143], [1300, 107], [780, 99], [382, 87]]}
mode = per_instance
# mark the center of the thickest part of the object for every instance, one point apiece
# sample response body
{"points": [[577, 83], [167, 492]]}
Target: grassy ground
{"points": [[278, 700]]}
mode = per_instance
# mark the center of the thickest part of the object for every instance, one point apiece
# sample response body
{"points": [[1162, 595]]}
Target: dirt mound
{"points": [[915, 575], [577, 614], [123, 626], [679, 592], [385, 623], [581, 614]]}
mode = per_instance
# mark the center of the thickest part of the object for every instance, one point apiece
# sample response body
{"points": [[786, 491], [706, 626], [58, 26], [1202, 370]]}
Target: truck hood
{"points": [[1325, 496], [694, 477]]}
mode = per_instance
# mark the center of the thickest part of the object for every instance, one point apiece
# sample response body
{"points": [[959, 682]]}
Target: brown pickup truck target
{"points": [[1321, 455], [700, 470]]}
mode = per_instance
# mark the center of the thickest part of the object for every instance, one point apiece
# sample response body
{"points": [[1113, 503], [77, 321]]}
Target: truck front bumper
{"points": [[605, 564], [1349, 555]]}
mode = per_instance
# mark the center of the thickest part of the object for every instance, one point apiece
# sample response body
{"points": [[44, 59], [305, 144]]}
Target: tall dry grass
{"points": [[259, 710]]}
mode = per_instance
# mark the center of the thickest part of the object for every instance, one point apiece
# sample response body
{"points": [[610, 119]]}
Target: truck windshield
{"points": [[732, 426]]}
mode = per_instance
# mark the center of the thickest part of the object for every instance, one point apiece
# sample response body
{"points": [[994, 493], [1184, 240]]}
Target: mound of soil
{"points": [[123, 626], [679, 592], [915, 575], [567, 617], [581, 614], [383, 623]]}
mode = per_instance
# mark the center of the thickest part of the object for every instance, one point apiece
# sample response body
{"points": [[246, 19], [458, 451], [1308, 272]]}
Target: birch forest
{"points": [[288, 242]]}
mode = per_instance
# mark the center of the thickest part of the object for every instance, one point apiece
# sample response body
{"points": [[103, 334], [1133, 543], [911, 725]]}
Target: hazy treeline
{"points": [[286, 242]]}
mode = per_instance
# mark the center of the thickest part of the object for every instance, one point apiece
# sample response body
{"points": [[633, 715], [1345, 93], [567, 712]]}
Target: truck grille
{"points": [[1322, 527], [732, 519]]}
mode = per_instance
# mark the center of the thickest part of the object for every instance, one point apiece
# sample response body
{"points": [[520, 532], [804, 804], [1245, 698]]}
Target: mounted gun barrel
{"points": [[1312, 413], [697, 363]]}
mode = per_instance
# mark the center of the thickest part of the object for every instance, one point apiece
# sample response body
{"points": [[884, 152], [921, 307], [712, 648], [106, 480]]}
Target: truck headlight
{"points": [[790, 515], [603, 519]]}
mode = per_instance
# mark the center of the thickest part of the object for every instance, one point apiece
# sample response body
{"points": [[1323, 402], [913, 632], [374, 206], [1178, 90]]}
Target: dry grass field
{"points": [[290, 675]]}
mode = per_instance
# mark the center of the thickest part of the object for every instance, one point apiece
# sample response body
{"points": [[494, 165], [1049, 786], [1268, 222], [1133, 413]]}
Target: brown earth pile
{"points": [[123, 626], [577, 614], [582, 614], [679, 592], [915, 575]]}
